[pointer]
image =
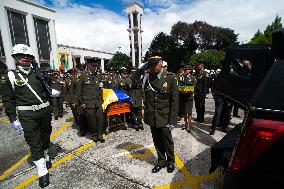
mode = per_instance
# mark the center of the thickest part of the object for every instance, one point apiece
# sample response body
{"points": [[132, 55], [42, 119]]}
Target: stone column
{"points": [[53, 40], [32, 36], [6, 38], [103, 65]]}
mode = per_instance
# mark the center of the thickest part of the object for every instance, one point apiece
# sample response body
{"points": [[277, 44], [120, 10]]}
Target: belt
{"points": [[34, 107]]}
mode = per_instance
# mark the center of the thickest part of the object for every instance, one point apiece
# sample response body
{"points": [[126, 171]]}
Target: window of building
{"points": [[135, 19], [2, 53], [18, 28], [42, 38]]}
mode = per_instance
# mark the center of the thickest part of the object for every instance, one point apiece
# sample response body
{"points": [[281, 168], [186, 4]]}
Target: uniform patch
{"points": [[165, 85]]}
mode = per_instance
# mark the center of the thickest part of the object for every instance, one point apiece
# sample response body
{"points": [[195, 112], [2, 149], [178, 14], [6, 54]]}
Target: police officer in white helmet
{"points": [[26, 103]]}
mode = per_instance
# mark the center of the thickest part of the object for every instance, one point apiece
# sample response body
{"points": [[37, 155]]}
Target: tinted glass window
{"points": [[241, 68], [18, 28], [43, 39], [2, 53]]}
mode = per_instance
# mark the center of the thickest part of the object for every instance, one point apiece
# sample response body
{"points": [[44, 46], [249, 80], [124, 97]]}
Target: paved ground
{"points": [[124, 161]]}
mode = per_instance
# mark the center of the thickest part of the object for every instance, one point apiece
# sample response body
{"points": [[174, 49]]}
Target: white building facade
{"points": [[135, 12], [77, 55], [24, 22]]}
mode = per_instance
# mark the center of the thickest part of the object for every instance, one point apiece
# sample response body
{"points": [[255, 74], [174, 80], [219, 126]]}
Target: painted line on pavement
{"points": [[57, 163], [190, 180], [25, 158], [129, 147]]}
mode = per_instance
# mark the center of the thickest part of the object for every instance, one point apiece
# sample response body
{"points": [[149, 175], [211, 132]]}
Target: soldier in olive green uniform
{"points": [[135, 92], [70, 98], [161, 111], [200, 92], [26, 101], [89, 94], [58, 83]]}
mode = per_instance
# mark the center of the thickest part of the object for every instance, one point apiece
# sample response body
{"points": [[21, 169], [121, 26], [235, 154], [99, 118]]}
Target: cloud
{"points": [[91, 27], [101, 29]]}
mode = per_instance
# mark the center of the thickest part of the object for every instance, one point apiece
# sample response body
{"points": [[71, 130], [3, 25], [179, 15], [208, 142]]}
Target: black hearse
{"points": [[251, 155]]}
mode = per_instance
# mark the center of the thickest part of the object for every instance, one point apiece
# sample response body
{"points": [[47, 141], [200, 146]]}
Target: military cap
{"points": [[154, 58]]}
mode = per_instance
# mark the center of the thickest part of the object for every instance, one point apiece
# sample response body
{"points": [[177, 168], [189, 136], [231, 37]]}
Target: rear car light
{"points": [[256, 138]]}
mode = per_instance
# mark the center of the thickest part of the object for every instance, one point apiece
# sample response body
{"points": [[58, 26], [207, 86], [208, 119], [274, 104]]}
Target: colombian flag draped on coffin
{"points": [[115, 102]]}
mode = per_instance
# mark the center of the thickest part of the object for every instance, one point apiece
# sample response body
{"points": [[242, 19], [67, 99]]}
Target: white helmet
{"points": [[218, 70], [22, 49], [165, 64]]}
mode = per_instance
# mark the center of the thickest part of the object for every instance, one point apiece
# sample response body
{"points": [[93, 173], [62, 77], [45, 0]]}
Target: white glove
{"points": [[55, 93], [171, 127], [17, 126], [143, 65]]}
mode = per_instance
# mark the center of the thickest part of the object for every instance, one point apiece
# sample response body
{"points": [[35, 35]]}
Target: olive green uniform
{"points": [[36, 124], [200, 91], [57, 102], [90, 93], [161, 110], [135, 92]]}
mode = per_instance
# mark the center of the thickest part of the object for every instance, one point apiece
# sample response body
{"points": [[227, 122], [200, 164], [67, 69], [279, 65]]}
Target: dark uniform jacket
{"points": [[23, 95], [161, 105], [201, 84], [59, 84], [135, 91], [88, 90]]}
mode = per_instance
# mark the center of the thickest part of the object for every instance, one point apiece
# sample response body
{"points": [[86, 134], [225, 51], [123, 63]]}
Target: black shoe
{"points": [[101, 139], [48, 164], [170, 168], [140, 126], [201, 121], [83, 133], [157, 168], [212, 132], [44, 181]]}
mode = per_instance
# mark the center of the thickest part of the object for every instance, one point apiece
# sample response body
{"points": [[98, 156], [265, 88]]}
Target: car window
{"points": [[241, 68]]}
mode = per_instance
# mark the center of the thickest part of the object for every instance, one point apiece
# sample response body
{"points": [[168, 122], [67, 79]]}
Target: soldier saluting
{"points": [[161, 110], [26, 102]]}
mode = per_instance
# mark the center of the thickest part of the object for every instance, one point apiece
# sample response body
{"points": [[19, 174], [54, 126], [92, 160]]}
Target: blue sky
{"points": [[102, 24]]}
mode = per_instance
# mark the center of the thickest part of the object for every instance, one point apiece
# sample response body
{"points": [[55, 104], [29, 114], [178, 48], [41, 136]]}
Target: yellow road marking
{"points": [[205, 124], [4, 120], [190, 180], [23, 159], [57, 163]]}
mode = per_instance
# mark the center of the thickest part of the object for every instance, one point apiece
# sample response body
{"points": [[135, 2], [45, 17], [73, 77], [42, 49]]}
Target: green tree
{"points": [[166, 46], [118, 61], [211, 58], [266, 36]]}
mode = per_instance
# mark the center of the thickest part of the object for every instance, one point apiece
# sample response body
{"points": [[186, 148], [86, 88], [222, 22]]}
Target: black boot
{"points": [[48, 164], [44, 181]]}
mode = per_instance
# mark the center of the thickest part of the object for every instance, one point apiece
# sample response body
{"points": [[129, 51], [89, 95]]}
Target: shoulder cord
{"points": [[31, 89]]}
